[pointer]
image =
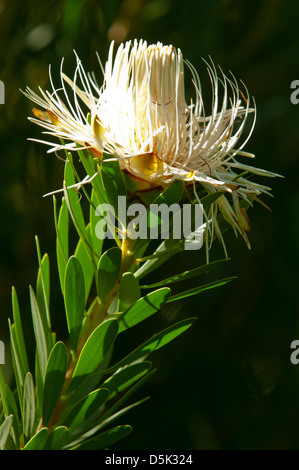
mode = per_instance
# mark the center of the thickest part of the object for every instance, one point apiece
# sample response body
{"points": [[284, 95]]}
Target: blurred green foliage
{"points": [[228, 383]]}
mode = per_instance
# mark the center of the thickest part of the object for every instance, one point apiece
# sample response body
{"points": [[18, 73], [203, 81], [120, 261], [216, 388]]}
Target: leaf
{"points": [[62, 239], [73, 203], [28, 406], [19, 371], [92, 168], [85, 409], [83, 255], [94, 350], [5, 430], [13, 409], [114, 183], [43, 289], [105, 439], [199, 289], [207, 268], [39, 332], [108, 272], [129, 291], [3, 392], [143, 308], [163, 253], [38, 441], [156, 342], [112, 411], [54, 380], [19, 330], [118, 414], [43, 292], [125, 377], [210, 199], [39, 385], [97, 243], [57, 439], [74, 299]]}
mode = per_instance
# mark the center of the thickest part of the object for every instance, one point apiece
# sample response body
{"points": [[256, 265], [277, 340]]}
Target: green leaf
{"points": [[97, 243], [39, 385], [199, 289], [5, 430], [13, 409], [54, 379], [28, 406], [38, 441], [19, 330], [86, 409], [43, 289], [156, 342], [210, 199], [125, 377], [94, 350], [57, 439], [112, 412], [84, 256], [74, 299], [108, 272], [92, 168], [114, 183], [207, 268], [62, 239], [129, 291], [73, 203], [105, 439], [143, 308], [19, 371], [39, 332], [4, 393], [163, 253], [107, 421]]}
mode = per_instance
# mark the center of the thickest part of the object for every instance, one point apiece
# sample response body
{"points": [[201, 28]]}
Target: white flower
{"points": [[140, 117]]}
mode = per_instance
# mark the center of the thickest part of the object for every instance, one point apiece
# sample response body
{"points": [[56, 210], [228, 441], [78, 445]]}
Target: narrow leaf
{"points": [[88, 267], [94, 350], [18, 367], [28, 406], [129, 291], [143, 308], [199, 289], [19, 329], [85, 409], [105, 439], [125, 377], [54, 379], [207, 268], [39, 332], [62, 239], [74, 299], [57, 439], [38, 441], [156, 342], [5, 430], [108, 271]]}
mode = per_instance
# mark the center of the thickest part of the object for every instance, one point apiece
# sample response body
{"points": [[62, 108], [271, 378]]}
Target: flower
{"points": [[141, 118]]}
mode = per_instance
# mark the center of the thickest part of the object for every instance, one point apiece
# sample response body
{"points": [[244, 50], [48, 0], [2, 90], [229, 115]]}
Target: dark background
{"points": [[228, 383]]}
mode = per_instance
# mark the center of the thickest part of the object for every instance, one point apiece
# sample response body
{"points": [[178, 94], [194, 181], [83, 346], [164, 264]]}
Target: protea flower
{"points": [[141, 118]]}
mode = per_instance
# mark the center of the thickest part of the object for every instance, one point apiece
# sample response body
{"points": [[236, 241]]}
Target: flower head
{"points": [[141, 118]]}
